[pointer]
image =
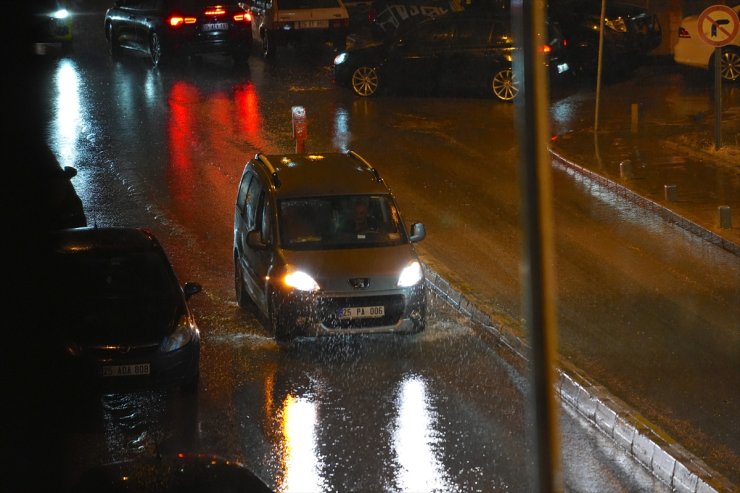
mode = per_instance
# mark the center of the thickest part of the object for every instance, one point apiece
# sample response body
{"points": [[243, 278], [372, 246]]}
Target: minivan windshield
{"points": [[347, 221]]}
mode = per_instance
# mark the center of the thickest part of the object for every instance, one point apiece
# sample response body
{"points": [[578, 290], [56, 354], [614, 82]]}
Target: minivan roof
{"points": [[321, 174]]}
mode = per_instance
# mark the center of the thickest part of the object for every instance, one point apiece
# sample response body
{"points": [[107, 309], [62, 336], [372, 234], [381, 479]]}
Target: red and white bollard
{"points": [[300, 128]]}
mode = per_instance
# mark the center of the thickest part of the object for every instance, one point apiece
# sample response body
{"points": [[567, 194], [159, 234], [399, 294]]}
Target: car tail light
{"points": [[683, 33], [546, 49], [243, 17], [215, 11], [176, 20]]}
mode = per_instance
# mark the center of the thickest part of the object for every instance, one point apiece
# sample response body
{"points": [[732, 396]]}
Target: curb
{"points": [[663, 457], [565, 164]]}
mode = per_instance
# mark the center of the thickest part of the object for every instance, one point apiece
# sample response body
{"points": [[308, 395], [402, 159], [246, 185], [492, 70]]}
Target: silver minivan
{"points": [[298, 22], [320, 248]]}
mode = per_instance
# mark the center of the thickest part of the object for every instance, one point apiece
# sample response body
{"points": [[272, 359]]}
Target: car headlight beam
{"points": [[182, 335], [341, 58], [410, 275], [301, 281]]}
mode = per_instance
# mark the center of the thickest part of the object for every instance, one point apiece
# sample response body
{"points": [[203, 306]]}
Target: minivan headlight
{"points": [[410, 275], [182, 335], [301, 281]]}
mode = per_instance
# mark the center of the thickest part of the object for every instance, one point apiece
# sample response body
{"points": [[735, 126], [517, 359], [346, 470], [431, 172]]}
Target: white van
{"points": [[279, 22]]}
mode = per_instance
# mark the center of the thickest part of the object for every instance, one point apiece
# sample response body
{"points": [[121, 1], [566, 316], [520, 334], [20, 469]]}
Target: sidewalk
{"points": [[680, 175]]}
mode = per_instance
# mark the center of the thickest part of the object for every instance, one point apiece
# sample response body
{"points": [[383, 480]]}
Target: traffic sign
{"points": [[718, 25]]}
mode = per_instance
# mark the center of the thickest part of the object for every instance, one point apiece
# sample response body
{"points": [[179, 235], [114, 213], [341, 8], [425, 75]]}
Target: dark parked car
{"points": [[179, 473], [117, 315], [168, 29], [320, 248], [51, 23], [630, 34], [454, 50]]}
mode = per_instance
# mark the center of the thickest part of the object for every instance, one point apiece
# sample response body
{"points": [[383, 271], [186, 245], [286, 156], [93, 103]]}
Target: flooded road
{"points": [[435, 412]]}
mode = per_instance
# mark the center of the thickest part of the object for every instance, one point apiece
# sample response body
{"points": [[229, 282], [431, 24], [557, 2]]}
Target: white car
{"points": [[691, 50]]}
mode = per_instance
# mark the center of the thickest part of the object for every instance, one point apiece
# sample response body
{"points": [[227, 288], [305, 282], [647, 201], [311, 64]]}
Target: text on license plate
{"points": [[126, 370], [361, 312], [216, 26], [313, 24]]}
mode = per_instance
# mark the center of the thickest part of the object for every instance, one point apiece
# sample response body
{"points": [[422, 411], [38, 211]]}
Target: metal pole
{"points": [[538, 270], [598, 67], [717, 98]]}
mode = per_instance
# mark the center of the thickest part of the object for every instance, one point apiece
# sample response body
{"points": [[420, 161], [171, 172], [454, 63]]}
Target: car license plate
{"points": [[361, 312], [216, 26], [126, 370], [313, 24]]}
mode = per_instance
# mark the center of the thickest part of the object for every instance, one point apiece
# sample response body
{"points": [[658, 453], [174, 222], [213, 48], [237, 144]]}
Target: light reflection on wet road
{"points": [[435, 412]]}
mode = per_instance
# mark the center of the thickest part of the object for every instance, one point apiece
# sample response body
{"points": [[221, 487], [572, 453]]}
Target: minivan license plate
{"points": [[361, 312], [126, 370]]}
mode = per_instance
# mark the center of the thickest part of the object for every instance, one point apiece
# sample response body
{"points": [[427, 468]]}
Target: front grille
{"points": [[328, 308], [143, 352]]}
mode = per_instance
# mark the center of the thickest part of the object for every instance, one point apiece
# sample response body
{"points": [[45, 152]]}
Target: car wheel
{"points": [[730, 65], [269, 47], [155, 49], [281, 330], [504, 85], [114, 47], [242, 297], [365, 80]]}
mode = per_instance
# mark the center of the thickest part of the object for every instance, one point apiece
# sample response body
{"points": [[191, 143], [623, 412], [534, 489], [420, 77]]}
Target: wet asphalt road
{"points": [[180, 178]]}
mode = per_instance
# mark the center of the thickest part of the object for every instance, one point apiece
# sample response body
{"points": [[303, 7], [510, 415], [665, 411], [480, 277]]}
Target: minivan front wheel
{"points": [[281, 329], [242, 296], [365, 80], [504, 84]]}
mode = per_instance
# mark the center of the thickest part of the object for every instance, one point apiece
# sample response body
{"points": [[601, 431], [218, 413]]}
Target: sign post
{"points": [[717, 26]]}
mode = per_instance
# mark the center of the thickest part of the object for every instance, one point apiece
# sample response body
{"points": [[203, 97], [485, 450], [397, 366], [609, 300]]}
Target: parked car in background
{"points": [[692, 51], [169, 29], [116, 314], [459, 50], [631, 32], [320, 248], [51, 23], [299, 22]]}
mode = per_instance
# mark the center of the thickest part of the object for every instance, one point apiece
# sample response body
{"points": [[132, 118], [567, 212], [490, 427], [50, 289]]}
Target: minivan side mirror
{"points": [[418, 232], [255, 240]]}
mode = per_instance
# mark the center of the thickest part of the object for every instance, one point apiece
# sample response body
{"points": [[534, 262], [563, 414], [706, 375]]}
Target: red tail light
{"points": [[243, 17], [546, 49], [216, 10], [178, 20]]}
